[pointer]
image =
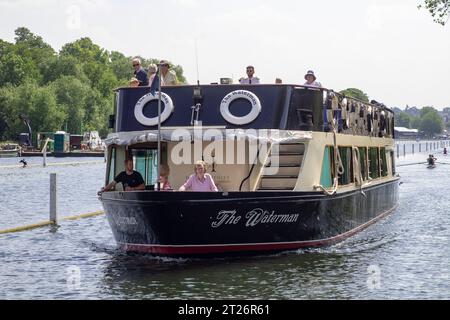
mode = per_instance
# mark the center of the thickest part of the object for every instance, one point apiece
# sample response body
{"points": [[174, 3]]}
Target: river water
{"points": [[404, 256]]}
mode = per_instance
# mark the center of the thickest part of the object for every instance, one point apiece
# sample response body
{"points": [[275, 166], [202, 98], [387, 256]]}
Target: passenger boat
{"points": [[10, 150], [296, 167]]}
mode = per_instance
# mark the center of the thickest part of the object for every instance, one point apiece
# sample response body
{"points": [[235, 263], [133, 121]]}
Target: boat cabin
{"points": [[253, 137]]}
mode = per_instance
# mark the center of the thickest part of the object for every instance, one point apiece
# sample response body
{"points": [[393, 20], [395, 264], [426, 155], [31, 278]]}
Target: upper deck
{"points": [[282, 107]]}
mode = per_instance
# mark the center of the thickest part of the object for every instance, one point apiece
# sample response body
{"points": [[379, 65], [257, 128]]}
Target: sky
{"points": [[390, 49]]}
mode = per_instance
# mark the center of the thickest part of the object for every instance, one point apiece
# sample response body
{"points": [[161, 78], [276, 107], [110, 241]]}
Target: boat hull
{"points": [[194, 223]]}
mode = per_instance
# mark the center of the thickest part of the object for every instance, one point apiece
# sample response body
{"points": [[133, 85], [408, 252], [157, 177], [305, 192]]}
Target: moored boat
{"points": [[10, 150], [295, 166]]}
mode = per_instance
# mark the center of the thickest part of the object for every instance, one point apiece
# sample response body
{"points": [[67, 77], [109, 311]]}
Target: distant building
{"points": [[405, 133]]}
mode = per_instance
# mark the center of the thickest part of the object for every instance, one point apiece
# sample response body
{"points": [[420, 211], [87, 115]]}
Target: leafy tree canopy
{"points": [[71, 89], [439, 9], [355, 93]]}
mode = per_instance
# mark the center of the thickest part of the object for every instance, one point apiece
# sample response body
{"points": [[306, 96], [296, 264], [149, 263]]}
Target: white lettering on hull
{"points": [[253, 218]]}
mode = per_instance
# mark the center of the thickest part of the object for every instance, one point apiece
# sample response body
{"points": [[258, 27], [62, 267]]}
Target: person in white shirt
{"points": [[251, 79], [311, 80], [169, 77]]}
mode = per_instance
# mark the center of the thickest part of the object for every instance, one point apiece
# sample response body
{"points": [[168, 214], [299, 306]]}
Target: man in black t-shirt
{"points": [[130, 179], [140, 73]]}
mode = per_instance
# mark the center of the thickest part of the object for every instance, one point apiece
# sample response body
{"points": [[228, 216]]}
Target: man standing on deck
{"points": [[139, 73], [251, 79], [130, 179]]}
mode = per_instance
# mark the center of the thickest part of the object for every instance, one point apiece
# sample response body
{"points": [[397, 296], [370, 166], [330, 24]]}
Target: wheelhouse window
{"points": [[374, 163], [145, 162]]}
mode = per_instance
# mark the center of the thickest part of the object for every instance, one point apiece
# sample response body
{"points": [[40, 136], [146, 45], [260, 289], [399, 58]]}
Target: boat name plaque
{"points": [[252, 218]]}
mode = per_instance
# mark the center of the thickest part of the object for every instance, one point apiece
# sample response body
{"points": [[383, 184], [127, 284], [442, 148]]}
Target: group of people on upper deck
{"points": [[251, 79], [145, 77]]}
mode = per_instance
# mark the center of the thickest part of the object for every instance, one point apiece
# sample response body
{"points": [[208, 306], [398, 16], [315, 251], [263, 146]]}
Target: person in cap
{"points": [[169, 77], [140, 73], [250, 74], [311, 80]]}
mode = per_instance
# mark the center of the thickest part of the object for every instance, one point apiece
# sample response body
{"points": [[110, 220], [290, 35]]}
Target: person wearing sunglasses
{"points": [[250, 74], [169, 77], [139, 73]]}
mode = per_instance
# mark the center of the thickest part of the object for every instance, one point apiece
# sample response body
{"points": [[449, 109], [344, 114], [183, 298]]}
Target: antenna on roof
{"points": [[196, 61]]}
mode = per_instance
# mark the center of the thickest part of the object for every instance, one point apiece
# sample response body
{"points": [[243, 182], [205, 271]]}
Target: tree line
{"points": [[70, 90], [429, 121]]}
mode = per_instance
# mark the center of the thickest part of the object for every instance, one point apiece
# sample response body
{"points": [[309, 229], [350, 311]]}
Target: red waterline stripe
{"points": [[222, 248]]}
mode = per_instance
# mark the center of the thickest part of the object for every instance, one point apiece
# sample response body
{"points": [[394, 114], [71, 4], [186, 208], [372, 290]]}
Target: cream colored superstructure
{"points": [[229, 171]]}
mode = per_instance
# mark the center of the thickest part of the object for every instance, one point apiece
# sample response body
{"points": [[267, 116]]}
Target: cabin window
{"points": [[326, 177], [112, 165], [145, 161], [374, 163], [347, 163], [363, 162], [383, 162]]}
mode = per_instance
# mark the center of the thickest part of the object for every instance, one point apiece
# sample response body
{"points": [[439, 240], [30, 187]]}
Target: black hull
{"points": [[193, 223]]}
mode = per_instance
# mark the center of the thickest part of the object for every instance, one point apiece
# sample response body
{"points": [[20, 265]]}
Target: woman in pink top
{"points": [[200, 180]]}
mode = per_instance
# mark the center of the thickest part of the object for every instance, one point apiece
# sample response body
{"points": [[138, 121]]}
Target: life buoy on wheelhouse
{"points": [[139, 109], [240, 94]]}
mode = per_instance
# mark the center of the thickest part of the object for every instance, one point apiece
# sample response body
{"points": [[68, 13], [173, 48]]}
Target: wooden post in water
{"points": [[404, 150], [420, 147], [44, 157], [53, 207], [413, 148]]}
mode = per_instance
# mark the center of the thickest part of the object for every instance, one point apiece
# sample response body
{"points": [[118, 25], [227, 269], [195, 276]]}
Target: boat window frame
{"points": [[112, 165], [392, 154], [377, 158], [331, 163], [143, 147], [350, 175], [384, 170], [364, 165]]}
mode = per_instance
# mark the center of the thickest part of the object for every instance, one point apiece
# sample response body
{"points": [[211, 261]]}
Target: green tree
{"points": [[415, 122], [439, 9], [355, 93], [121, 66], [13, 70], [56, 67], [71, 96], [431, 124], [403, 120], [33, 50], [85, 51], [426, 110], [73, 87], [5, 47]]}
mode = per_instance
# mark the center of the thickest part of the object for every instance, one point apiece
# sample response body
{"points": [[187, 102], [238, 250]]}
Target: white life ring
{"points": [[240, 94], [139, 108]]}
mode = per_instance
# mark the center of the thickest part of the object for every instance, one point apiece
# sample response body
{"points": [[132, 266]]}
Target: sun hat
{"points": [[310, 72]]}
